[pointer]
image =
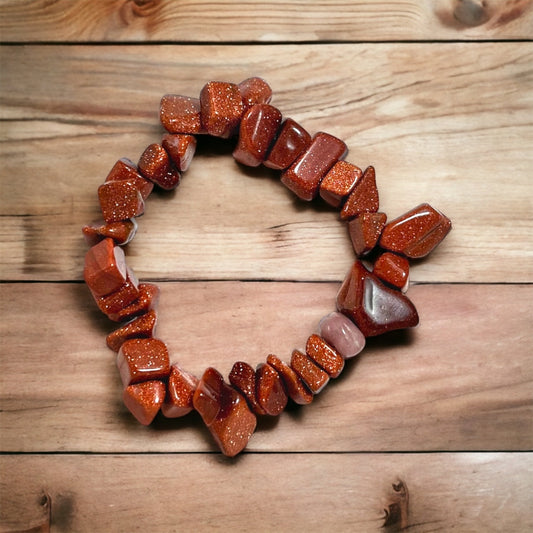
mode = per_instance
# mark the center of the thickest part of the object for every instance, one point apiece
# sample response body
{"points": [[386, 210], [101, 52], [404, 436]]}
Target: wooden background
{"points": [[438, 96]]}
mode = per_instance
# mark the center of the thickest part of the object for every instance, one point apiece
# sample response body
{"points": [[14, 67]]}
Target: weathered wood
{"points": [[288, 492], [289, 21], [449, 124], [463, 380]]}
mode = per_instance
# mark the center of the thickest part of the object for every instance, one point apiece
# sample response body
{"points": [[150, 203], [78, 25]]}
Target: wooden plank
{"points": [[431, 118], [325, 492], [287, 21], [463, 380]]}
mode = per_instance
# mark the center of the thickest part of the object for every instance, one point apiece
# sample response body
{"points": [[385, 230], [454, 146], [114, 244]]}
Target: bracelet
{"points": [[371, 300]]}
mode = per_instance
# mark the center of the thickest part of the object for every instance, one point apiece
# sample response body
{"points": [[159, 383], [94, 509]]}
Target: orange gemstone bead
{"points": [[257, 131], [125, 170], [144, 400], [392, 269], [180, 148], [180, 114], [270, 391], [105, 268], [180, 390], [296, 389], [365, 230], [416, 233], [121, 232], [141, 327], [221, 108], [120, 200], [339, 182], [291, 142], [255, 91], [312, 375], [147, 299], [324, 355], [303, 177], [143, 360], [155, 165], [244, 378], [364, 198]]}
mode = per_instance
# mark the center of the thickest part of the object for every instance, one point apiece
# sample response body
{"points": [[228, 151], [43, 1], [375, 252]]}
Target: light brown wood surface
{"points": [[245, 269], [257, 21]]}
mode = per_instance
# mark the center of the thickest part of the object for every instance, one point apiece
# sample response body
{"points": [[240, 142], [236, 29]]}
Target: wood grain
{"points": [[256, 21], [449, 124], [467, 492], [452, 384]]}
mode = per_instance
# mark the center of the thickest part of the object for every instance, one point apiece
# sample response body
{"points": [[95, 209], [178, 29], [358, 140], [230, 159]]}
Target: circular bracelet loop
{"points": [[370, 301]]}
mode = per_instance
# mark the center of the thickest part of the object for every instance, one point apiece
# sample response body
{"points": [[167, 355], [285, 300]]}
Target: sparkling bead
{"points": [[339, 182], [364, 198], [147, 299], [255, 91], [180, 148], [144, 400], [141, 327], [416, 233], [257, 131], [117, 300], [121, 232], [143, 360], [270, 392], [373, 307], [326, 357], [303, 177], [180, 390], [180, 114], [105, 268], [225, 412], [291, 142], [339, 331], [296, 389], [120, 200], [155, 165], [312, 375], [125, 170], [392, 269], [365, 230], [221, 108], [243, 377]]}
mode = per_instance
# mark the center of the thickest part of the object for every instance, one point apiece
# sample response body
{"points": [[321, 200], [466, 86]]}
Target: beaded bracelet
{"points": [[369, 302]]}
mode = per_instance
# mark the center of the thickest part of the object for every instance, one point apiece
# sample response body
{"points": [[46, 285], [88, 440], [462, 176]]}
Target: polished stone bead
{"points": [[303, 177], [339, 331], [339, 183], [114, 302], [105, 268], [312, 375], [143, 360], [365, 230], [180, 148], [120, 200], [270, 391], [259, 126], [180, 390], [296, 388], [392, 269], [180, 114], [243, 377], [290, 143], [325, 356], [140, 327], [416, 233], [144, 400], [374, 307], [221, 108], [126, 170], [121, 232], [364, 198], [225, 412], [155, 165], [206, 397], [254, 91], [146, 300]]}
